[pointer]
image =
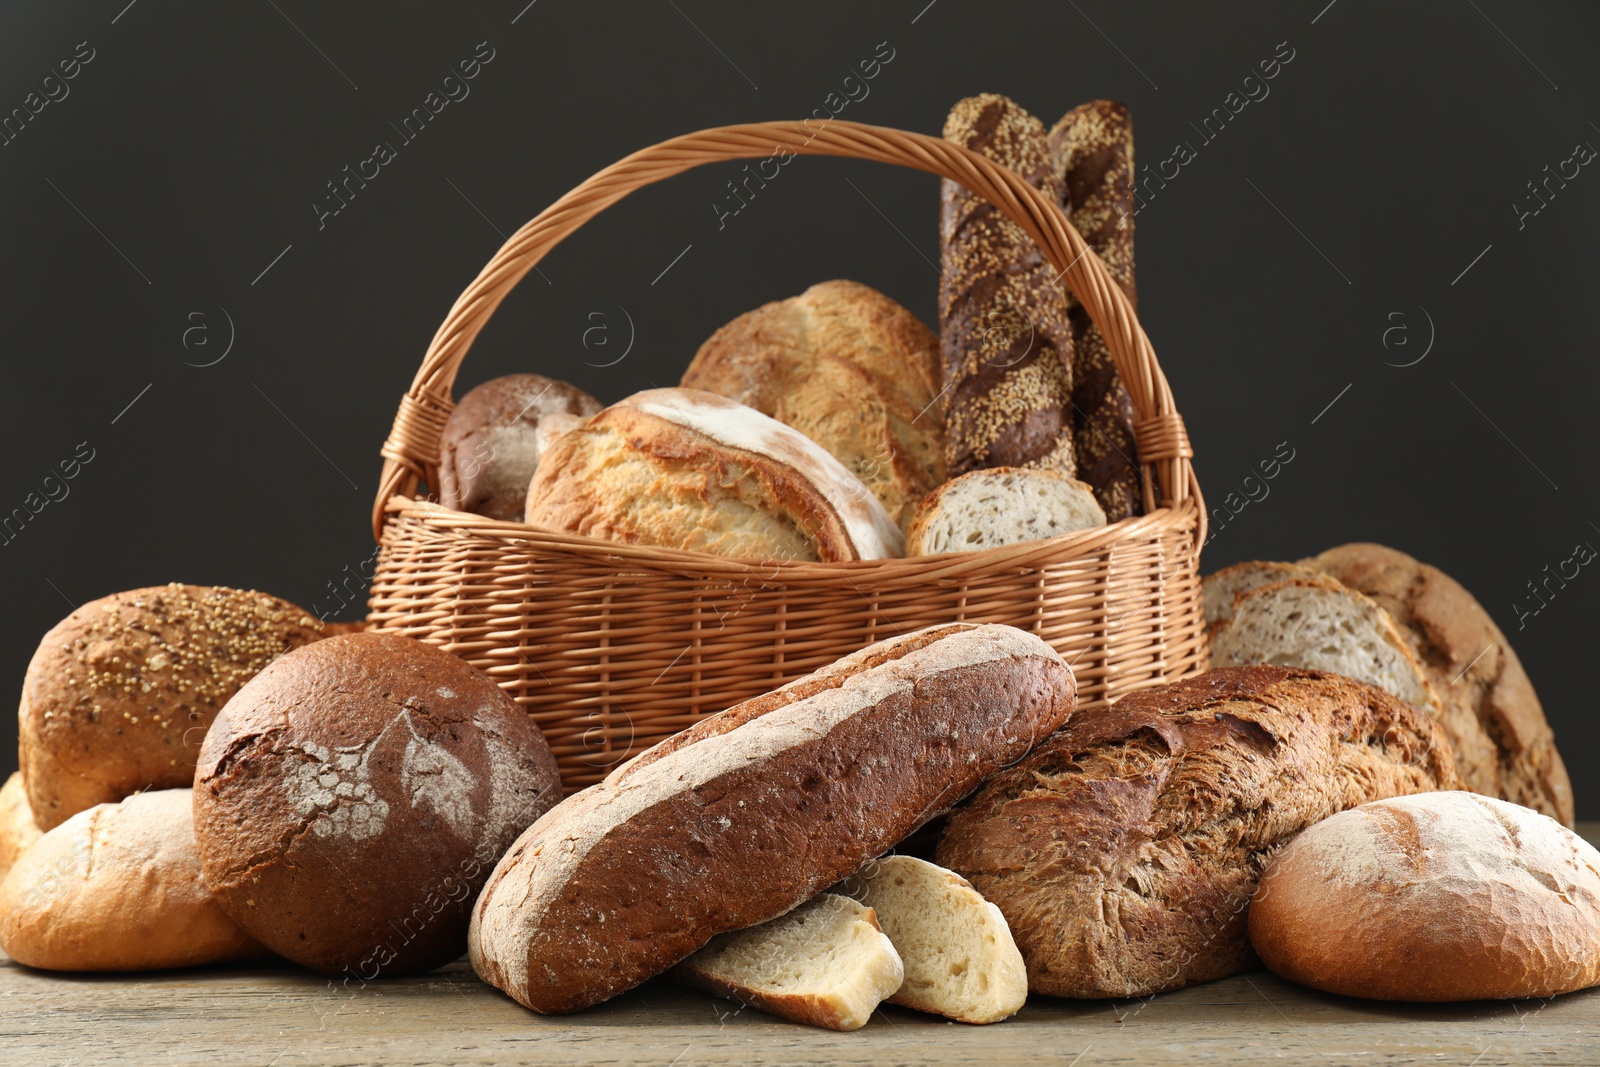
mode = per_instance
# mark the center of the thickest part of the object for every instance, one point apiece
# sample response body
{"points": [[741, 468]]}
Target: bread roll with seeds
{"points": [[1003, 330], [1092, 150], [120, 693], [17, 827]]}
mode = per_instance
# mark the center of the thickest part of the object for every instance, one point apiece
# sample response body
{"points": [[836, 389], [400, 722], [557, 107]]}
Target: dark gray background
{"points": [[1347, 203]]}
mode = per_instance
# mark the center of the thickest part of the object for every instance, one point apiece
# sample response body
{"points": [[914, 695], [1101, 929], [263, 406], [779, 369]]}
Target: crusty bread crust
{"points": [[628, 877], [18, 829], [1124, 850]]}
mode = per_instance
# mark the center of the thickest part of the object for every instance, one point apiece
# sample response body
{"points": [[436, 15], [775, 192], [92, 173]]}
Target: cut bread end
{"points": [[1001, 506], [1221, 588]]}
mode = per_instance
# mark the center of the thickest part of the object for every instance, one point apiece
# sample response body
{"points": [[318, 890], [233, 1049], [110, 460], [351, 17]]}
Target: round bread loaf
{"points": [[1439, 896], [489, 448], [119, 695], [18, 829], [353, 797], [117, 888], [849, 368]]}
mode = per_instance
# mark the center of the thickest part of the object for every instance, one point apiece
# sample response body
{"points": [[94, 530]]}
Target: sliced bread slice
{"points": [[960, 960], [1001, 506], [825, 963], [1220, 588], [1320, 624]]}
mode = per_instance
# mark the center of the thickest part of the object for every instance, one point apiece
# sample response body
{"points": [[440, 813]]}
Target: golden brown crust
{"points": [[1004, 334], [120, 693], [1124, 850], [849, 368], [18, 829]]}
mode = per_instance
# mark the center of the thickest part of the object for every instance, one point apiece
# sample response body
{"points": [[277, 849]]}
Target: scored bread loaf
{"points": [[1503, 745], [825, 963], [18, 829], [759, 808], [1441, 896], [687, 469], [117, 888], [1092, 150], [1003, 329], [1124, 850], [849, 368], [1221, 588], [1001, 506], [960, 960]]}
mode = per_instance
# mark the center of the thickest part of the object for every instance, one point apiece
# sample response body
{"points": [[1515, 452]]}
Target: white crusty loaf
{"points": [[118, 888], [686, 469], [825, 963], [1320, 624], [1439, 896], [754, 810], [1001, 506], [1221, 588], [18, 829], [960, 960]]}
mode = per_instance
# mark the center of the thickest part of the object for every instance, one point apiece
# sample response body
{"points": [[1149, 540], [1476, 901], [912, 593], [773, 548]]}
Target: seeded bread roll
{"points": [[1442, 896], [352, 798], [117, 888], [849, 368], [1092, 150], [490, 446], [1003, 329], [18, 829], [120, 693], [757, 809], [1124, 850]]}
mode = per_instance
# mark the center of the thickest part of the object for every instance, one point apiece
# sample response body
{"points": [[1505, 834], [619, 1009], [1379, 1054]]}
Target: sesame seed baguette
{"points": [[628, 877]]}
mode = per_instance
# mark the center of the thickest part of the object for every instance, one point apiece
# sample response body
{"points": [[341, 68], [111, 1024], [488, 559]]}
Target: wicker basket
{"points": [[612, 647]]}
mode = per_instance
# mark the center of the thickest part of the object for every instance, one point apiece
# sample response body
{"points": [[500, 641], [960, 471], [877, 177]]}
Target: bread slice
{"points": [[959, 957], [1001, 506], [1319, 624], [1221, 588], [826, 963]]}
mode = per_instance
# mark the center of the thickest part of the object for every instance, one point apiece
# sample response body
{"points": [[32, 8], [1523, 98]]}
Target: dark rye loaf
{"points": [[1125, 849], [758, 809]]}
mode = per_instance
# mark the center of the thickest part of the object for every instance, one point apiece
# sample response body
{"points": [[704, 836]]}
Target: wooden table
{"points": [[283, 1016]]}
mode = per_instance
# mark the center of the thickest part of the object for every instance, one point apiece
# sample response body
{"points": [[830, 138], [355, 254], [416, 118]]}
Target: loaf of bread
{"points": [[18, 829], [686, 469], [1442, 896], [1092, 151], [826, 963], [117, 888], [120, 693], [959, 958], [490, 446], [849, 368], [1124, 850], [1003, 329], [352, 798], [1001, 506], [1496, 725], [756, 809]]}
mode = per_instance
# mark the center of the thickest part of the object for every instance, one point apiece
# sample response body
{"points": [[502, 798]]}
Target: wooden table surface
{"points": [[284, 1016]]}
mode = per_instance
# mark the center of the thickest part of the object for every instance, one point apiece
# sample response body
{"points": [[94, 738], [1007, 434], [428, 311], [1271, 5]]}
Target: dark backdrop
{"points": [[1371, 210]]}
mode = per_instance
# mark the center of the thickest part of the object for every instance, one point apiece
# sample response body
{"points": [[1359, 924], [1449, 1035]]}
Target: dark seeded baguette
{"points": [[1004, 337], [1092, 147], [759, 809], [1125, 849]]}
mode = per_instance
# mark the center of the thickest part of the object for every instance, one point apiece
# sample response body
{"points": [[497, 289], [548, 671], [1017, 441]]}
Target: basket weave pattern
{"points": [[612, 647]]}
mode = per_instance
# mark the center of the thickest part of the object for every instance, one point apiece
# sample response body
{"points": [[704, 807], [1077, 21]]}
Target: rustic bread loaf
{"points": [[18, 829], [960, 960], [683, 468], [490, 445], [119, 694], [1092, 150], [1221, 588], [1442, 896], [1503, 745], [849, 368], [825, 963], [757, 809], [1003, 329], [351, 799], [1124, 850], [117, 888], [1001, 506]]}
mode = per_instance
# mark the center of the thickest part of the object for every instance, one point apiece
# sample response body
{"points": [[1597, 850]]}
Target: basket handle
{"points": [[412, 450]]}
